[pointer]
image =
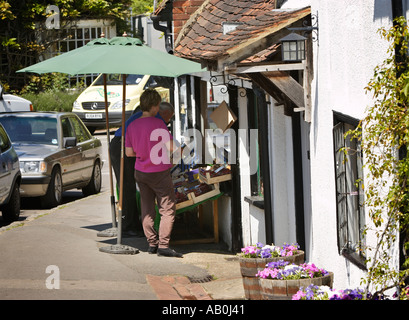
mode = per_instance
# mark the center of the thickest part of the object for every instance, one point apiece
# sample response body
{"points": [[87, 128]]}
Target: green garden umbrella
{"points": [[122, 55], [119, 55]]}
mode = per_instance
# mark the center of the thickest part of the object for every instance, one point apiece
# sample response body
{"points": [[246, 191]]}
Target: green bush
{"points": [[51, 92], [52, 100]]}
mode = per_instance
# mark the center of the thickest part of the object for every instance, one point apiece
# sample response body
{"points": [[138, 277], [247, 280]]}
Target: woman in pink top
{"points": [[149, 140]]}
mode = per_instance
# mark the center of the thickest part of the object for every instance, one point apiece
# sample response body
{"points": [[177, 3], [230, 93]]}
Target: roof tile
{"points": [[203, 38]]}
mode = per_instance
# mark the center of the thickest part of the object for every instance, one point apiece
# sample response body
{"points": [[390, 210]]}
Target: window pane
{"points": [[348, 170], [340, 185], [71, 45]]}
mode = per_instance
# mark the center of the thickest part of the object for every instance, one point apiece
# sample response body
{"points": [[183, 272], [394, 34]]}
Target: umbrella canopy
{"points": [[123, 55]]}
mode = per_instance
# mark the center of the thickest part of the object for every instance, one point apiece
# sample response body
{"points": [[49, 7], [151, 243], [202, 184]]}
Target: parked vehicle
{"points": [[56, 153], [90, 104], [10, 179], [11, 103]]}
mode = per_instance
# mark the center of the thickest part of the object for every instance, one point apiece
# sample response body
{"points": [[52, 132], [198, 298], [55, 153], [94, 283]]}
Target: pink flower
{"points": [[299, 295], [267, 273]]}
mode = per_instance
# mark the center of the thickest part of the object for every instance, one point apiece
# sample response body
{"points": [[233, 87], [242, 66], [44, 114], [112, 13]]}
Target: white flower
{"points": [[322, 290], [293, 266], [325, 289], [271, 248]]}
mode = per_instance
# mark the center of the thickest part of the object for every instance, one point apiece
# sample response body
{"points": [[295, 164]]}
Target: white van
{"points": [[90, 104], [12, 103]]}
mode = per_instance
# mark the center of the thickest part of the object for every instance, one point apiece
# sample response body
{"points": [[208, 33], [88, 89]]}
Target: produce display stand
{"points": [[198, 204], [193, 188]]}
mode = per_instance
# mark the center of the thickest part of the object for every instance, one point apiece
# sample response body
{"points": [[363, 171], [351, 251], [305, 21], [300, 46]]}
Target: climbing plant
{"points": [[384, 134]]}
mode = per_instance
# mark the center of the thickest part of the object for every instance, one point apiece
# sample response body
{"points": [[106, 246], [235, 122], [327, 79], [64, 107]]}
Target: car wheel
{"points": [[94, 185], [54, 192], [11, 211]]}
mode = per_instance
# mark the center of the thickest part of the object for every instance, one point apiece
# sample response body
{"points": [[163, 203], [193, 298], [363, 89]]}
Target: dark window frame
{"points": [[348, 164]]}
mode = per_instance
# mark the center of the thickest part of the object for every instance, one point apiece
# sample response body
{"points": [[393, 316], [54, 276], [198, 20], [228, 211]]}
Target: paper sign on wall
{"points": [[223, 116]]}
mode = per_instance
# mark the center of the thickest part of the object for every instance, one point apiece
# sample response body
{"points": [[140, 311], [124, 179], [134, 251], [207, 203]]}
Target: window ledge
{"points": [[355, 258], [257, 201]]}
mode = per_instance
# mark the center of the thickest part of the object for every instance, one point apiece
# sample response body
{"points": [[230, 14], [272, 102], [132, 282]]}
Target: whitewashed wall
{"points": [[345, 55]]}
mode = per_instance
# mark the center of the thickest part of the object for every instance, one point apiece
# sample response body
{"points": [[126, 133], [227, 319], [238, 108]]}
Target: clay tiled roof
{"points": [[202, 36]]}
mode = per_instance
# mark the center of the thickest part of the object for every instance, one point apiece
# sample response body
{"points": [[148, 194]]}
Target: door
{"points": [[71, 162], [86, 146]]}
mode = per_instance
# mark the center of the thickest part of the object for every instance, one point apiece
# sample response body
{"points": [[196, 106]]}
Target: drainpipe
{"points": [[167, 30], [397, 8], [397, 11]]}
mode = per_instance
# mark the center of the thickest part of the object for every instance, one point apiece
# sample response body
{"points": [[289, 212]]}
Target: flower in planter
{"points": [[269, 251], [313, 292], [283, 270]]}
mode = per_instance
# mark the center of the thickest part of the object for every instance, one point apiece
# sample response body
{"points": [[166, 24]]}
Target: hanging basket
{"points": [[249, 267], [273, 289]]}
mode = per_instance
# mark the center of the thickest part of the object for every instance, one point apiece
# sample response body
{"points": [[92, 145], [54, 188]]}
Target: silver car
{"points": [[56, 153], [10, 178]]}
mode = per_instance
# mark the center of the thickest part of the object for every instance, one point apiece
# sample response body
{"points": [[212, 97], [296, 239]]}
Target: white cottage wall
{"points": [[282, 175], [345, 55]]}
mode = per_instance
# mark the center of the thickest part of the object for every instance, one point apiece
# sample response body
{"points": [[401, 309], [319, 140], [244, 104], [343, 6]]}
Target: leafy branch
{"points": [[384, 134]]}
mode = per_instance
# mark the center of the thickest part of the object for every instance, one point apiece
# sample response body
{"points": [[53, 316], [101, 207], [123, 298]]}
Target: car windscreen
{"points": [[31, 130], [116, 79]]}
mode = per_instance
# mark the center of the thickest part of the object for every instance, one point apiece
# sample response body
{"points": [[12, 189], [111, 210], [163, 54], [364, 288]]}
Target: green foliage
{"points": [[23, 32], [5, 12], [141, 6], [385, 137], [52, 100], [51, 92]]}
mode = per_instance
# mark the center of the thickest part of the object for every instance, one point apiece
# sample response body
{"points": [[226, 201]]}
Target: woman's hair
{"points": [[149, 98]]}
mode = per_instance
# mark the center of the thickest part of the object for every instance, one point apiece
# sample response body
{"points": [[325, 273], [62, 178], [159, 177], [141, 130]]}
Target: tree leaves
{"points": [[385, 137]]}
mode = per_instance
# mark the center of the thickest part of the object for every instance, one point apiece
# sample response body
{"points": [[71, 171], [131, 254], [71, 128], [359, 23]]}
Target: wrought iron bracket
{"points": [[306, 28], [227, 82]]}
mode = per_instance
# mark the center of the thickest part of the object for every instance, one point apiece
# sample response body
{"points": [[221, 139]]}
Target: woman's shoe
{"points": [[152, 250], [167, 252]]}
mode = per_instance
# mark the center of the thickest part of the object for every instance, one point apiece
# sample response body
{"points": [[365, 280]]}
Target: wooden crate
{"points": [[186, 203], [214, 192], [211, 180]]}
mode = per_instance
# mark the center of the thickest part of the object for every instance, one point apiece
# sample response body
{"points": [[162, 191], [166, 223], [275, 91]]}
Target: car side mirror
{"points": [[70, 142], [1, 92]]}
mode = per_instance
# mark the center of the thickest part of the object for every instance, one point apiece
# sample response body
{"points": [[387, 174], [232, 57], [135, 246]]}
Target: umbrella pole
{"points": [[111, 232], [119, 248], [121, 171]]}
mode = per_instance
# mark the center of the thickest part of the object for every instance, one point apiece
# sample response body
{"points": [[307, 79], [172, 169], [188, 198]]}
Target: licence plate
{"points": [[93, 116]]}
